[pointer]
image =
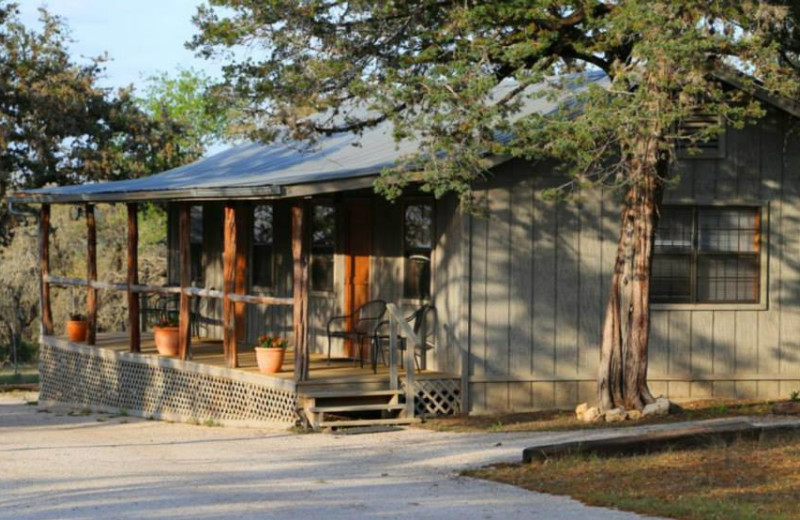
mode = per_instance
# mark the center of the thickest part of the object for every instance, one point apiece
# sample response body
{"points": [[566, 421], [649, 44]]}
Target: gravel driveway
{"points": [[54, 465]]}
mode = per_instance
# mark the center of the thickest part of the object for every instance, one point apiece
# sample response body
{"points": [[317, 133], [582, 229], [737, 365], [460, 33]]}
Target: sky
{"points": [[142, 37]]}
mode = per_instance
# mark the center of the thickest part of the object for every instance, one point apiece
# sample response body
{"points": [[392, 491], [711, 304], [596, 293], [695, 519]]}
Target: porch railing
{"points": [[413, 340]]}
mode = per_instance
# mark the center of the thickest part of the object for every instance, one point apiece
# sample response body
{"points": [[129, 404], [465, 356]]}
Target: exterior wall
{"points": [[540, 274]]}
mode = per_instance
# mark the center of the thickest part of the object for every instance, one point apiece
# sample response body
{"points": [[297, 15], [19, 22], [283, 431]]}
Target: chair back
{"points": [[369, 316], [425, 323]]}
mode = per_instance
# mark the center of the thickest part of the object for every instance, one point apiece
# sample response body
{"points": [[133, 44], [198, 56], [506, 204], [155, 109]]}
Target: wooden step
{"points": [[368, 422], [357, 408], [350, 393]]}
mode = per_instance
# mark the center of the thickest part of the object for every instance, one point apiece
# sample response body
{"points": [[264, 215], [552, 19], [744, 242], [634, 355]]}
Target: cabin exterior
{"points": [[519, 295]]}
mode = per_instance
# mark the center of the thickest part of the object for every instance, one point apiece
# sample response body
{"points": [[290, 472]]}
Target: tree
{"points": [[190, 99], [456, 73]]}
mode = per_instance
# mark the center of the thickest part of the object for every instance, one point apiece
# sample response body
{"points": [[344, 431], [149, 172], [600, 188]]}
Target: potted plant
{"points": [[166, 336], [269, 353], [77, 327]]}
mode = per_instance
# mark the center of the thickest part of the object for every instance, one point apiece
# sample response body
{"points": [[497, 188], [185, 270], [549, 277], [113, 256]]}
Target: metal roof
{"points": [[265, 169]]}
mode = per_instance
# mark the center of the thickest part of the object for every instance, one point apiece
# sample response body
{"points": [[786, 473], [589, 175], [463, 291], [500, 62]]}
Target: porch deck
{"points": [[208, 352]]}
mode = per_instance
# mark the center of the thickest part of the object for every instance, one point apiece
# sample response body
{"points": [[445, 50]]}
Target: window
{"points": [[323, 224], [417, 248], [262, 245], [707, 255], [196, 244]]}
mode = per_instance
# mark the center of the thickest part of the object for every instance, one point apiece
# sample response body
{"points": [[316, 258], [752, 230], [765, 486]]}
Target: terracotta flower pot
{"points": [[270, 360], [76, 330], [166, 340]]}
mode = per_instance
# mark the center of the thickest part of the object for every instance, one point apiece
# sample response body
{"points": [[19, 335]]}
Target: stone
{"points": [[787, 408], [660, 407], [580, 410], [591, 415], [616, 415], [634, 415]]}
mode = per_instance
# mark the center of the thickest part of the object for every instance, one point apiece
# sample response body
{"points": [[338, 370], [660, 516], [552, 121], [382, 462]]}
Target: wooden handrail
{"points": [[191, 291], [396, 319]]}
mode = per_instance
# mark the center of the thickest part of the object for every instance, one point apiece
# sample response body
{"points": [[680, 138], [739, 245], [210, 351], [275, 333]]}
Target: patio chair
{"points": [[365, 322], [423, 323]]}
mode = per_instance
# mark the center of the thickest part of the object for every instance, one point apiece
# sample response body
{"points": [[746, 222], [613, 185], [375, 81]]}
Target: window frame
{"points": [[198, 260], [254, 286], [311, 249], [763, 259], [412, 201]]}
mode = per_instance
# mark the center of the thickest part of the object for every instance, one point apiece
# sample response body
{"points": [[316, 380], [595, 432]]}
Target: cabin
{"points": [[276, 239]]}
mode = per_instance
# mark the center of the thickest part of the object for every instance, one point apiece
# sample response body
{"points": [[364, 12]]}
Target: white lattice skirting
{"points": [[436, 397], [148, 386]]}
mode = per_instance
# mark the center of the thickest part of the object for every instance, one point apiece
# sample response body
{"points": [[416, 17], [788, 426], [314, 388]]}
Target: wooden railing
{"points": [[398, 321]]}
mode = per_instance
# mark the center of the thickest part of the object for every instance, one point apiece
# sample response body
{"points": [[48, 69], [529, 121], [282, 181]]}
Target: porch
{"points": [[204, 389]]}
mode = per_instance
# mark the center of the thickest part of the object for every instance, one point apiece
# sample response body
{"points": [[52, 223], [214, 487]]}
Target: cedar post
{"points": [[300, 315], [241, 270], [91, 274], [229, 262], [185, 252], [133, 277], [44, 269]]}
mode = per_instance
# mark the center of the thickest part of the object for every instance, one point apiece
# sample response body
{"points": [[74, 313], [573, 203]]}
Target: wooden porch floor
{"points": [[209, 352]]}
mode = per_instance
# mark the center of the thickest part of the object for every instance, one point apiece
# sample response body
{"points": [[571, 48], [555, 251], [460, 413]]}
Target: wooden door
{"points": [[358, 249]]}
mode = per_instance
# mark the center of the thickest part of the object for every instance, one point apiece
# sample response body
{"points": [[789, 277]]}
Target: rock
{"points": [[634, 415], [592, 415], [787, 408], [660, 407], [616, 415], [580, 410]]}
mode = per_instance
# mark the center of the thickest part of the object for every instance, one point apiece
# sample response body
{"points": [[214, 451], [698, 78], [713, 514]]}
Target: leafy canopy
{"points": [[457, 74]]}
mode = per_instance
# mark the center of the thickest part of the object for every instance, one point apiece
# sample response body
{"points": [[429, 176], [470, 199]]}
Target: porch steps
{"points": [[369, 422], [350, 408]]}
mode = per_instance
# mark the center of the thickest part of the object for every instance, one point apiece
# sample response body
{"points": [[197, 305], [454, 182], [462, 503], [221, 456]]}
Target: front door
{"points": [[358, 248]]}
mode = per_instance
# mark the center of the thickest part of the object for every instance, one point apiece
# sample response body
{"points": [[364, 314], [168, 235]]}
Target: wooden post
{"points": [[91, 274], [44, 270], [133, 277], [300, 315], [229, 287], [185, 254], [241, 269]]}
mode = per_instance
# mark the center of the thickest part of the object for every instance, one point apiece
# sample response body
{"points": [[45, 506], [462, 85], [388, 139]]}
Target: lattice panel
{"points": [[76, 377], [434, 397]]}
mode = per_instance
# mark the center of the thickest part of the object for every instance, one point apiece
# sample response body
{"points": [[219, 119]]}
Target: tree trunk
{"points": [[622, 373]]}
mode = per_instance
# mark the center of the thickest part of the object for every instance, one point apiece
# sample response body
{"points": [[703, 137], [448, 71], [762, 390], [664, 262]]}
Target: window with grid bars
{"points": [[323, 225], [707, 255]]}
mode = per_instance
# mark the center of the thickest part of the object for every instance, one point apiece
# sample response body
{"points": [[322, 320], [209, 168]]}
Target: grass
{"points": [[28, 374], [557, 420], [745, 480]]}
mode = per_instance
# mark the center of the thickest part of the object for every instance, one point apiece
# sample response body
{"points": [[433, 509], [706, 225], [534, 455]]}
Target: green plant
{"points": [[267, 341], [77, 317], [795, 395], [169, 321]]}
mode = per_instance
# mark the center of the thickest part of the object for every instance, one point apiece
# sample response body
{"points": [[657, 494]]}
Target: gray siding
{"points": [[540, 273]]}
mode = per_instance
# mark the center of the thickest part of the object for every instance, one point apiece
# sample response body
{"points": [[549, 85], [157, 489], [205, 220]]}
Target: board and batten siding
{"points": [[540, 274]]}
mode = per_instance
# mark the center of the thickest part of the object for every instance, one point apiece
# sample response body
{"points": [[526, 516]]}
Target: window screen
{"points": [[323, 225], [262, 245], [418, 245], [196, 244], [707, 255]]}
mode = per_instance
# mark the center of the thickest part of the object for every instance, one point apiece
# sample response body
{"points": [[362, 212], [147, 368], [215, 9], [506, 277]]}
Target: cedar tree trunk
{"points": [[622, 371]]}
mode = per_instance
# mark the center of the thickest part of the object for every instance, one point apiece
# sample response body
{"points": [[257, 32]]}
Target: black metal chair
{"points": [[365, 322], [423, 323]]}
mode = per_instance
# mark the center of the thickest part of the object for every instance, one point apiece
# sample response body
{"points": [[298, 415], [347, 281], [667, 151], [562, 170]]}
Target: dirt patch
{"points": [[560, 420], [744, 480]]}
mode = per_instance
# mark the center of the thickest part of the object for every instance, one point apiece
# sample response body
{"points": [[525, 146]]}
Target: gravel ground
{"points": [[55, 465]]}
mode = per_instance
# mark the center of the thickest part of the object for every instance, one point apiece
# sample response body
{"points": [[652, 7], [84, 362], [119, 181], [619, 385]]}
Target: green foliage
{"points": [[458, 74], [794, 395], [189, 99]]}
